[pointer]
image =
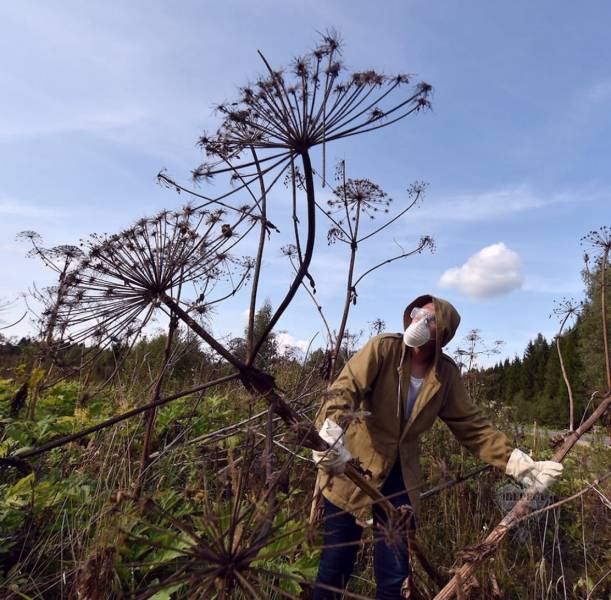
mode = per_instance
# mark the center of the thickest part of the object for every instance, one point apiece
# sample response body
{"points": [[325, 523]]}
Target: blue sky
{"points": [[98, 97]]}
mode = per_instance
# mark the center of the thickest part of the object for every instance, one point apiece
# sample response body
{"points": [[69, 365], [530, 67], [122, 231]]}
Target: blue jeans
{"points": [[341, 535]]}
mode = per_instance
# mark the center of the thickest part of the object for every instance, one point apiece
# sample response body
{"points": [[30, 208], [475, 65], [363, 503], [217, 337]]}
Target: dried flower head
{"points": [[599, 239], [124, 277], [59, 258], [359, 196], [566, 307], [287, 111]]}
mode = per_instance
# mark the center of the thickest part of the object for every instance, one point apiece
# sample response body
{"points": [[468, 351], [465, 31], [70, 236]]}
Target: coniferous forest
{"points": [[532, 384]]}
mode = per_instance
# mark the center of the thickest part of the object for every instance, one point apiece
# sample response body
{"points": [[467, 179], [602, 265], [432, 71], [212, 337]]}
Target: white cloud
{"points": [[492, 271], [286, 342]]}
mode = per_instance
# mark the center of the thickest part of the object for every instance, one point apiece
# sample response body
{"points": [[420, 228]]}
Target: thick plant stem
{"points": [[151, 413], [250, 335], [566, 377], [522, 508], [350, 290], [307, 255], [188, 320], [342, 327], [603, 305], [39, 365]]}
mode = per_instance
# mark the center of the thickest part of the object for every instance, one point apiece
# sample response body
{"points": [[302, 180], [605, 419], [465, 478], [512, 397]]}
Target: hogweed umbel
{"points": [[311, 102], [124, 278]]}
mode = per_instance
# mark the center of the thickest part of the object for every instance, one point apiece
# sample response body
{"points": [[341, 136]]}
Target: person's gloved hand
{"points": [[333, 460], [541, 474]]}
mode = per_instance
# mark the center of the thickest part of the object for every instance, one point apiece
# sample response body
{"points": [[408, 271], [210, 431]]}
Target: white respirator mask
{"points": [[418, 333]]}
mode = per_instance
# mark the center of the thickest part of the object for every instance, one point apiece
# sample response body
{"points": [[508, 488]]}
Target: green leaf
{"points": [[167, 593], [23, 486]]}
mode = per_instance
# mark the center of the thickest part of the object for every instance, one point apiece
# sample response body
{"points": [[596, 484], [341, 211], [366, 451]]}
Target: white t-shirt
{"points": [[415, 383]]}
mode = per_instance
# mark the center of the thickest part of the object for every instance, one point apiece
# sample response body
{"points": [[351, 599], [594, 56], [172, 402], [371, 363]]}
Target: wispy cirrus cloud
{"points": [[599, 92], [488, 205], [92, 122], [554, 285], [84, 74], [10, 207]]}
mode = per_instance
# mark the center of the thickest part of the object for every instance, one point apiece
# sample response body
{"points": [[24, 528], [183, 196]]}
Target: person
{"points": [[386, 396]]}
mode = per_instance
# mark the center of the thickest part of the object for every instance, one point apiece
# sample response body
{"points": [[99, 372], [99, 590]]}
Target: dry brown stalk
{"points": [[603, 304], [600, 240], [568, 385], [566, 310], [150, 415], [521, 509], [460, 591], [496, 590]]}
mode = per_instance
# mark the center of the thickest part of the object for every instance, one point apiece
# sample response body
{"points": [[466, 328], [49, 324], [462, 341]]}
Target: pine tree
{"points": [[534, 385], [591, 349], [269, 350]]}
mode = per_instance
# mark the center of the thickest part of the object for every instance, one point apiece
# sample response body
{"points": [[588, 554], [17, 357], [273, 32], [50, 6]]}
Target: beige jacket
{"points": [[368, 399]]}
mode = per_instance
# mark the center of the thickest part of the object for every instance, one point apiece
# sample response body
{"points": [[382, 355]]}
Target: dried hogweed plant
{"points": [[274, 122], [565, 310], [62, 260], [357, 202], [600, 241], [173, 262], [47, 368], [281, 118], [124, 278]]}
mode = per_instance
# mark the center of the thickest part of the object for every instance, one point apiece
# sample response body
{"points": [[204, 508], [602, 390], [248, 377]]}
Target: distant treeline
{"points": [[191, 362], [533, 385]]}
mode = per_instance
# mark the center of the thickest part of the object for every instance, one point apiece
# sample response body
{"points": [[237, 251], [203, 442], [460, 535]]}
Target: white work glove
{"points": [[540, 474], [333, 460]]}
